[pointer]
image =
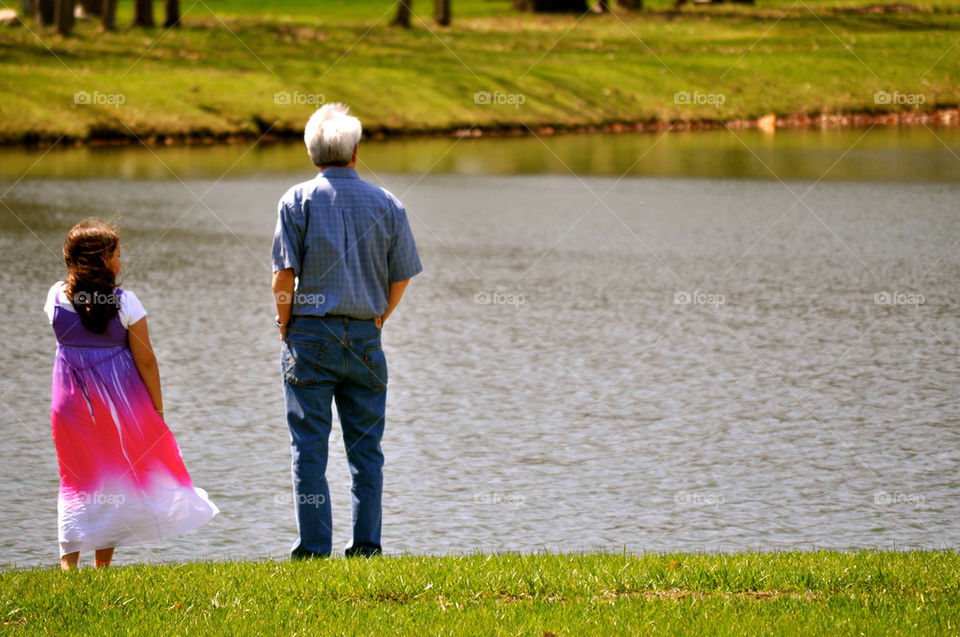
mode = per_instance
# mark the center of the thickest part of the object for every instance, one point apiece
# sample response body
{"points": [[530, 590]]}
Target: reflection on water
{"points": [[912, 153], [681, 364]]}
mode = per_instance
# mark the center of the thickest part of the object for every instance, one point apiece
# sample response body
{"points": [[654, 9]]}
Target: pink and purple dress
{"points": [[122, 479]]}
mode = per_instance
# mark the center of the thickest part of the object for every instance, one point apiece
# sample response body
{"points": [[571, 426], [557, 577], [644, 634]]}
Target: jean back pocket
{"points": [[301, 362], [376, 362]]}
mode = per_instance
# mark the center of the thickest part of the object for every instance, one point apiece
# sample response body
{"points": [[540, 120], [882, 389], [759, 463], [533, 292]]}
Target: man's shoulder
{"points": [[390, 197], [377, 199], [374, 191], [295, 194]]}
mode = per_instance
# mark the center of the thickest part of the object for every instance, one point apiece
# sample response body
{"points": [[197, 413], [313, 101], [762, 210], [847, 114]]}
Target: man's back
{"points": [[346, 240]]}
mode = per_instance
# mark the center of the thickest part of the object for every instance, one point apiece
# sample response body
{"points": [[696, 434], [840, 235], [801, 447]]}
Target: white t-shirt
{"points": [[131, 310]]}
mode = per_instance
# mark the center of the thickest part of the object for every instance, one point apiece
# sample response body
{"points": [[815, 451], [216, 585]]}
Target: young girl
{"points": [[122, 480]]}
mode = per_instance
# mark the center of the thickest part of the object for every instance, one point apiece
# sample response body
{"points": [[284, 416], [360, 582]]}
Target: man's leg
{"points": [[308, 397], [361, 403]]}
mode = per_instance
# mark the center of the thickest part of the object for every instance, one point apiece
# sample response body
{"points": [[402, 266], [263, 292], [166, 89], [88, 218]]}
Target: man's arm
{"points": [[393, 298], [283, 281]]}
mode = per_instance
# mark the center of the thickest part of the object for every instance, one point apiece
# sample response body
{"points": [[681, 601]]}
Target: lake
{"points": [[711, 341]]}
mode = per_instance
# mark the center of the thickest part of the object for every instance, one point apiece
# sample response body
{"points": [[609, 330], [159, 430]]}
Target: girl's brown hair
{"points": [[90, 283]]}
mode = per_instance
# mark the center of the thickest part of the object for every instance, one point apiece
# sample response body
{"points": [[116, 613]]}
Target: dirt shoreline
{"points": [[941, 116]]}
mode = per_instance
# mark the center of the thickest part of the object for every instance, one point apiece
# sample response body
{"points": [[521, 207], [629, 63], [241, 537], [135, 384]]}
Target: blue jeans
{"points": [[335, 358]]}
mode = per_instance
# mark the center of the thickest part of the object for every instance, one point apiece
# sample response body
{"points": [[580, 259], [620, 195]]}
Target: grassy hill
{"points": [[243, 67]]}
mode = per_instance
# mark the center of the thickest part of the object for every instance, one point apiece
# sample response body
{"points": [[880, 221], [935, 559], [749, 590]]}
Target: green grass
{"points": [[816, 593], [219, 74]]}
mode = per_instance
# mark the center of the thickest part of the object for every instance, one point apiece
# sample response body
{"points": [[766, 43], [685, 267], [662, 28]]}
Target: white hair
{"points": [[331, 135]]}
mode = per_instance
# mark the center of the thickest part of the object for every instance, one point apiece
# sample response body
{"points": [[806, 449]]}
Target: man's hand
{"points": [[378, 322]]}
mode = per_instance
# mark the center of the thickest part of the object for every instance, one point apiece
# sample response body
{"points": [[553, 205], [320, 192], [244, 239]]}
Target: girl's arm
{"points": [[146, 360]]}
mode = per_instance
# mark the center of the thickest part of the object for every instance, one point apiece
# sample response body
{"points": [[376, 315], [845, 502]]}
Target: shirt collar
{"points": [[339, 172]]}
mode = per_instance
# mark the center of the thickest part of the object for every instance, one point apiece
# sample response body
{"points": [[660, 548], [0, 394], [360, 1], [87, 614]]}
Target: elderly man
{"points": [[343, 253]]}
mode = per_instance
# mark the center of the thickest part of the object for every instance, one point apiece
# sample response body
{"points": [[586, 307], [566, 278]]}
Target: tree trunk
{"points": [[403, 13], [173, 13], [91, 7], [44, 12], [64, 15], [630, 4], [552, 6], [442, 12], [108, 15], [143, 13]]}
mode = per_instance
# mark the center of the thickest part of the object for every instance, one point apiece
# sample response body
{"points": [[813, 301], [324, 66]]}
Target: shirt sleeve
{"points": [[51, 303], [131, 310], [403, 261], [287, 239]]}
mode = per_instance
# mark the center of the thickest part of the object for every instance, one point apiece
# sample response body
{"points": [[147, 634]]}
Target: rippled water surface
{"points": [[586, 362]]}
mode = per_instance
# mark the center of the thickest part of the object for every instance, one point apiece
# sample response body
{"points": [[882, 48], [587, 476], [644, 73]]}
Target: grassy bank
{"points": [[815, 593], [241, 67]]}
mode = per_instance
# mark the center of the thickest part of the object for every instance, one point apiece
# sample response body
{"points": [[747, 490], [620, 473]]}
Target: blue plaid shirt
{"points": [[346, 241]]}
